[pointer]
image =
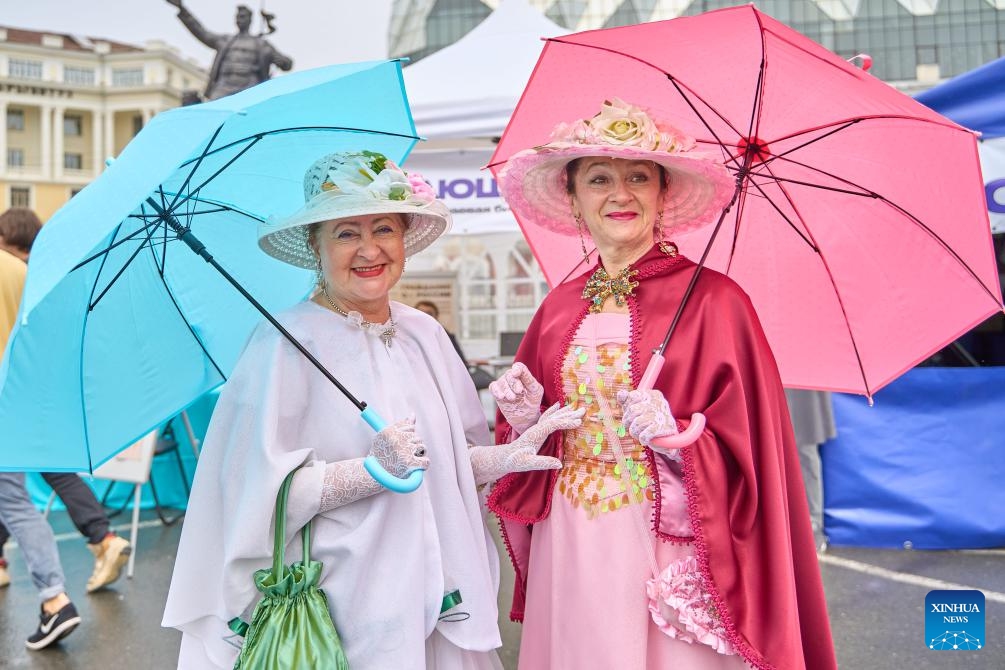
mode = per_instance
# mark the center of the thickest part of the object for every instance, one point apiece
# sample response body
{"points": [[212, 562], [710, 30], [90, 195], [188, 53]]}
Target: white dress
{"points": [[388, 559]]}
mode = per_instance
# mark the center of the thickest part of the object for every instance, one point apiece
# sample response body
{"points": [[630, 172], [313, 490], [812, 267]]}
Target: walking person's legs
{"points": [[38, 544], [4, 575], [111, 552], [810, 463]]}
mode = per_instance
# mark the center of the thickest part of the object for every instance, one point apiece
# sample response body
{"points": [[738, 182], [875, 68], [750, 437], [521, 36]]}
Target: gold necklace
{"points": [[386, 334], [601, 286]]}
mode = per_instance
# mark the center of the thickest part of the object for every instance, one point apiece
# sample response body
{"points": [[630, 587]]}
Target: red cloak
{"points": [[745, 496]]}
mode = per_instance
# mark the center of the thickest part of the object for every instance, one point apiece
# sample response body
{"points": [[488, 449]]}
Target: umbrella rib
{"points": [[865, 193], [718, 141], [788, 180], [830, 275], [181, 314], [741, 202], [216, 174], [785, 217], [195, 168], [151, 230], [104, 253]]}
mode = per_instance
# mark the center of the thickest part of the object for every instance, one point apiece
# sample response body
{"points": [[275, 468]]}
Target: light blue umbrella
{"points": [[121, 324]]}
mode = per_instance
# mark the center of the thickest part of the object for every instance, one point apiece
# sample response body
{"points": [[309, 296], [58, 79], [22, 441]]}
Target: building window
{"points": [[24, 69], [75, 191], [73, 124], [80, 76], [137, 124], [15, 119], [20, 196], [127, 77], [15, 157], [73, 161]]}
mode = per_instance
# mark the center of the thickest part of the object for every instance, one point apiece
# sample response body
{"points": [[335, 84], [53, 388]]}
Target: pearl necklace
{"points": [[386, 335]]}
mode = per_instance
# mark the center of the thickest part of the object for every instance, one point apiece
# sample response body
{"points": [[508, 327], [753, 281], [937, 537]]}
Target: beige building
{"points": [[69, 102]]}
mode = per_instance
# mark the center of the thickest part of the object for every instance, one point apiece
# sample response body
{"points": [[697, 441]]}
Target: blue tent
{"points": [[974, 99]]}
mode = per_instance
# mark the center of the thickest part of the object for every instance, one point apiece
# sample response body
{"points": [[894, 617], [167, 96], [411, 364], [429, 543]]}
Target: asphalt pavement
{"points": [[876, 600]]}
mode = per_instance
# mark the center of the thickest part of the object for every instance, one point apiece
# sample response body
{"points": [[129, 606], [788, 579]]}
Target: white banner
{"points": [[469, 191], [992, 153]]}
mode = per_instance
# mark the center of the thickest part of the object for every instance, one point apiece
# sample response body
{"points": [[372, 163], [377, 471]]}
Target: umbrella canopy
{"points": [[121, 324], [859, 229]]}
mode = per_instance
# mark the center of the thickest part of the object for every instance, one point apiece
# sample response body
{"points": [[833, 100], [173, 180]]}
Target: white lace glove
{"points": [[646, 416], [492, 462], [518, 395], [398, 450]]}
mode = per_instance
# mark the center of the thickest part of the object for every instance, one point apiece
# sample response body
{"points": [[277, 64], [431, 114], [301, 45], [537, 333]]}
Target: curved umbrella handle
{"points": [[377, 471], [694, 429]]}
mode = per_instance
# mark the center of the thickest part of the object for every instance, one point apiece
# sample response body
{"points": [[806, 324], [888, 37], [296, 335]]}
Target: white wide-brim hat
{"points": [[534, 181], [348, 185]]}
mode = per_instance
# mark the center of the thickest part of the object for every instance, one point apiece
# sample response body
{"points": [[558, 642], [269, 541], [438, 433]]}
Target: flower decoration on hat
{"points": [[369, 173], [619, 123]]}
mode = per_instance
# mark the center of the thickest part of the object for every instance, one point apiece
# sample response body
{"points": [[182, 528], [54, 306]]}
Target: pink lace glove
{"points": [[518, 395], [646, 416], [397, 448], [492, 462]]}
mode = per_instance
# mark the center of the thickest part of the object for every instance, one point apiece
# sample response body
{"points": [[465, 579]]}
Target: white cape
{"points": [[388, 559]]}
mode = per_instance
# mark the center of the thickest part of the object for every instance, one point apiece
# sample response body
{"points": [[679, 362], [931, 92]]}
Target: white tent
{"points": [[462, 97], [470, 88]]}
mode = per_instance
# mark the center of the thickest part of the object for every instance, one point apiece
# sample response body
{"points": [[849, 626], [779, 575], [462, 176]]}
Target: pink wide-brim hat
{"points": [[533, 182]]}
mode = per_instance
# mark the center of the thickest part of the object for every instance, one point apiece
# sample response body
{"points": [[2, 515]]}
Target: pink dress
{"points": [[587, 603]]}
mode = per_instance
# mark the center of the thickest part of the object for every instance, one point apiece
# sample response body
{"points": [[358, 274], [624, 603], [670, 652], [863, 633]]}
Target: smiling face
{"points": [[361, 259], [618, 200]]}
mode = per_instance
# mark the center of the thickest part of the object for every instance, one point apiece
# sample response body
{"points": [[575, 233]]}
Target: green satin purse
{"points": [[291, 626]]}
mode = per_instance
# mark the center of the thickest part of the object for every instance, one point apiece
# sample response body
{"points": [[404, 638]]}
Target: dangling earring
{"points": [[319, 275], [582, 240], [659, 232]]}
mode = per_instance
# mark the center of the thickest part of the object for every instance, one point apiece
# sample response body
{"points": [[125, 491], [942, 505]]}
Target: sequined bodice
{"points": [[596, 366]]}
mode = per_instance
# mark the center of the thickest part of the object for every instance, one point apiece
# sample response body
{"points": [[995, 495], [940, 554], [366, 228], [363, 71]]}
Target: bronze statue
{"points": [[242, 60]]}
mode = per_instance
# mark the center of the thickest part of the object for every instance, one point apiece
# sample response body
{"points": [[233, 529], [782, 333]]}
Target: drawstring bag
{"points": [[291, 626]]}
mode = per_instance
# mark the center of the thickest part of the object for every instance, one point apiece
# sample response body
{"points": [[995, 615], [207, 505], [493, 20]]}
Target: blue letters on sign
{"points": [[990, 189], [467, 188]]}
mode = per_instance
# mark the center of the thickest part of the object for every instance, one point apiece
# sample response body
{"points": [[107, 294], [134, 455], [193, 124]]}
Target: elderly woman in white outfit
{"points": [[389, 558]]}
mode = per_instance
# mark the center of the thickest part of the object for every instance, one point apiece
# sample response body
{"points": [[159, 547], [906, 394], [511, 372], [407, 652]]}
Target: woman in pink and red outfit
{"points": [[632, 555]]}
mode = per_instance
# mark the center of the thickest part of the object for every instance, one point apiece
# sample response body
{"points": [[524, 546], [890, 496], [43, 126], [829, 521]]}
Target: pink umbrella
{"points": [[859, 227]]}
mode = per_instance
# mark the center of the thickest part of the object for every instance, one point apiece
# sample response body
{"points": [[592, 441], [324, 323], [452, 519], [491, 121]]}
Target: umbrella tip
{"points": [[109, 161], [864, 61]]}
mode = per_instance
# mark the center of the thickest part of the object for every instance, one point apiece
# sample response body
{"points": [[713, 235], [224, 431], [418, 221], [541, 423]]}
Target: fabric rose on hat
{"points": [[627, 125]]}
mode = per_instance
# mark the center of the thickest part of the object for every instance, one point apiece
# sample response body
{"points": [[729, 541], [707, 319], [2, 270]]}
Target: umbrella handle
{"points": [[694, 429], [377, 471]]}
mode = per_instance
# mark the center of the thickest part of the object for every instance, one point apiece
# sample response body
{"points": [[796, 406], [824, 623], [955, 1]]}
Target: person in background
{"points": [[812, 414], [18, 228], [58, 616], [430, 308], [635, 554]]}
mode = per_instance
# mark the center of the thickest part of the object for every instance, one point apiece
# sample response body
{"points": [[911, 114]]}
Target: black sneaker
{"points": [[54, 627]]}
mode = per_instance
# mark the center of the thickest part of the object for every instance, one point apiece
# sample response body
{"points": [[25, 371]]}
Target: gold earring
{"points": [[659, 232], [582, 240]]}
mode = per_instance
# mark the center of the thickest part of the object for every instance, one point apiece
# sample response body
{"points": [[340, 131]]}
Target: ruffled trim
{"points": [[679, 590], [754, 658]]}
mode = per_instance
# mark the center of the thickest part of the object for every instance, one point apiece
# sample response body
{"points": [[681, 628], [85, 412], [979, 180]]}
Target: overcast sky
{"points": [[312, 32]]}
